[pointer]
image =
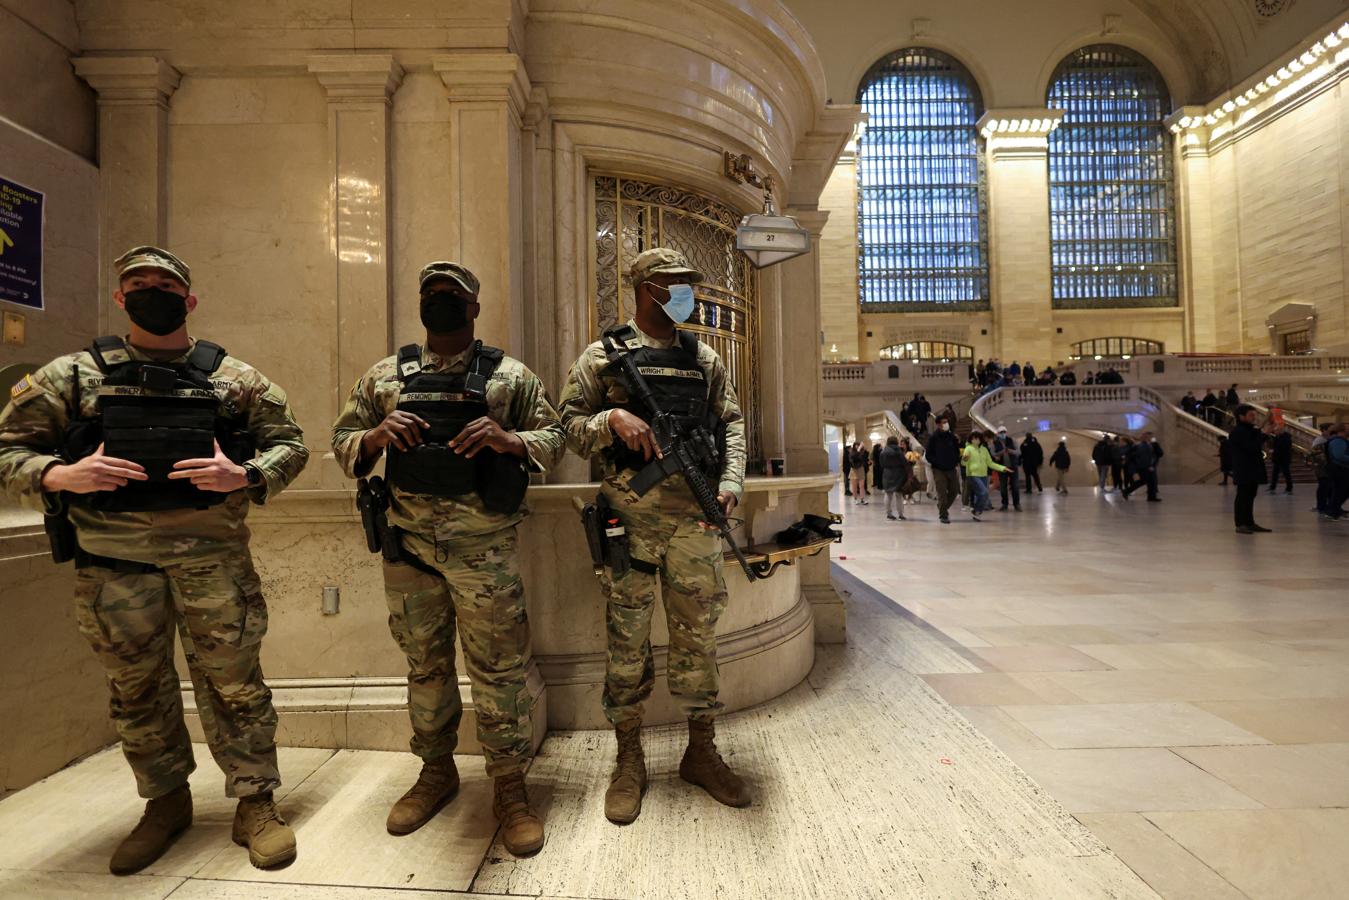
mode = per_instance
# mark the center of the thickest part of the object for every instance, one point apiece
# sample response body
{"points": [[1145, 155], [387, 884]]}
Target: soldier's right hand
{"points": [[95, 472], [400, 429], [634, 432]]}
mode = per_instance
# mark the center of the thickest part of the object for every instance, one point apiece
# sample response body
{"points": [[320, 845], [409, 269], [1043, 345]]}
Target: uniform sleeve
{"points": [[31, 425], [359, 415], [280, 442], [537, 423], [584, 418], [726, 407]]}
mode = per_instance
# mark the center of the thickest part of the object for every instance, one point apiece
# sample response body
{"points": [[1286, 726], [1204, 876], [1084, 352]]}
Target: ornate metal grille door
{"points": [[1111, 204], [921, 190], [632, 216]]}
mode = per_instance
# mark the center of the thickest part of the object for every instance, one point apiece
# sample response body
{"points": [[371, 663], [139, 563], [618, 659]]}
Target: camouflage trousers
{"points": [[220, 615], [477, 589], [664, 531]]}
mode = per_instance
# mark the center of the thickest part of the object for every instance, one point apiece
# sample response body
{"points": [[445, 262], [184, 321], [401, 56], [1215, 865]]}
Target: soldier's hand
{"points": [[95, 472], [484, 432], [728, 502], [217, 473], [400, 429], [633, 432]]}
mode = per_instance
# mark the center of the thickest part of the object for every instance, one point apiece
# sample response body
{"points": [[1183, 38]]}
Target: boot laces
{"points": [[430, 782], [630, 758], [511, 797], [263, 812]]}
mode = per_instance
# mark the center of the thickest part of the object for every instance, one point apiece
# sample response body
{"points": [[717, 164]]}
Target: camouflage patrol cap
{"points": [[453, 271], [148, 257], [662, 261]]}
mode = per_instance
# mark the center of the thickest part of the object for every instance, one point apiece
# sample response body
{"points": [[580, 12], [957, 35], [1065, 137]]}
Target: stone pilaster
{"points": [[803, 385], [360, 88], [1194, 227], [133, 128], [1017, 145], [488, 93]]}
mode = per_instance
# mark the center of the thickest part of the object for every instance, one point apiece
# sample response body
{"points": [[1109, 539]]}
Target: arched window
{"points": [[921, 192], [1117, 346], [1111, 190], [943, 351]]}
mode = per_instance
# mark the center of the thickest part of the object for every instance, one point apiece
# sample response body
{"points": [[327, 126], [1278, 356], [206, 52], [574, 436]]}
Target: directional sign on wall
{"points": [[20, 244]]}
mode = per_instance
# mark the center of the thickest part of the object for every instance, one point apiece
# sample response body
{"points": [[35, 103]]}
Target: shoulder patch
{"points": [[275, 395], [24, 390]]}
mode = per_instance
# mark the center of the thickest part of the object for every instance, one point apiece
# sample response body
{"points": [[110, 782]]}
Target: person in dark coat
{"points": [[895, 470], [1232, 398], [1067, 379], [943, 455], [1032, 458], [1061, 461], [1101, 455], [1143, 468], [1028, 373], [845, 463], [1225, 460], [1281, 460], [1247, 445], [876, 466], [1005, 452]]}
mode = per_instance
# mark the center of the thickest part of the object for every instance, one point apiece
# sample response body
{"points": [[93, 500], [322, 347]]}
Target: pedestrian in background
{"points": [[978, 462], [857, 458], [943, 454], [1248, 468], [1281, 458], [895, 472], [1032, 458], [1061, 461]]}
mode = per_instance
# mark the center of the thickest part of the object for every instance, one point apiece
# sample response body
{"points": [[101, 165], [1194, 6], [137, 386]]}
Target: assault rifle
{"points": [[684, 453]]}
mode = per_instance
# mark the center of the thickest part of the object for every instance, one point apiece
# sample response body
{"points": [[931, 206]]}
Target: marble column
{"points": [[773, 366], [487, 93], [133, 131], [1017, 146], [360, 89], [1194, 229], [803, 384]]}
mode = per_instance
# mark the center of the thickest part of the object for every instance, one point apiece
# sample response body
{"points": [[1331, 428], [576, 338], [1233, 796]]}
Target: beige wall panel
{"points": [[41, 92], [1291, 213], [248, 212], [838, 264]]}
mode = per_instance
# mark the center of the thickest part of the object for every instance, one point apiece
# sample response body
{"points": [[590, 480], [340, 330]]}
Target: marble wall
{"points": [[41, 92]]}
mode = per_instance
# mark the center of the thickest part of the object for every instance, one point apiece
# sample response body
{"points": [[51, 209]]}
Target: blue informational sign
{"points": [[20, 244]]}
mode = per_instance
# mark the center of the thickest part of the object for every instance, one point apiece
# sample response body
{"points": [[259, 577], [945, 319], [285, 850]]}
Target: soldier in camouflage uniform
{"points": [[667, 540], [141, 571], [459, 559]]}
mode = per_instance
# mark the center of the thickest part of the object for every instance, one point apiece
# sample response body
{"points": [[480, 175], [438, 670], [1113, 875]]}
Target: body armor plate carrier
{"points": [[450, 402], [678, 383], [155, 414]]}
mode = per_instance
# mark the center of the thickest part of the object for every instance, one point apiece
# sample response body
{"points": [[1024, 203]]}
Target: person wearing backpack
{"points": [[1061, 461], [1337, 453], [1320, 464]]}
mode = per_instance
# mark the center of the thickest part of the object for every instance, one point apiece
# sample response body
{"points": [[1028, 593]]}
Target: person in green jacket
{"points": [[977, 461]]}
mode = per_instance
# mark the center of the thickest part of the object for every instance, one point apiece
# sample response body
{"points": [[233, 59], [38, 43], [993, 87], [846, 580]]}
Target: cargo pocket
{"points": [[87, 592], [253, 621]]}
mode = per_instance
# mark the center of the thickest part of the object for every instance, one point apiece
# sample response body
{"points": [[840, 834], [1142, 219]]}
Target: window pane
{"points": [[921, 200], [1111, 192]]}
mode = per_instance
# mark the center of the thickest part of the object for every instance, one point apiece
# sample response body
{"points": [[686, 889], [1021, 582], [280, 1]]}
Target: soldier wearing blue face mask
{"points": [[666, 537]]}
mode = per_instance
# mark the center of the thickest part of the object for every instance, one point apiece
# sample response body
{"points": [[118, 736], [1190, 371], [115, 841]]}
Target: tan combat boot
{"points": [[702, 765], [260, 828], [521, 828], [623, 800], [435, 786], [165, 818]]}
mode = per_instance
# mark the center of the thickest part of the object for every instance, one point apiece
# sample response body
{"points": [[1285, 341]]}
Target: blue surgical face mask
{"points": [[680, 305]]}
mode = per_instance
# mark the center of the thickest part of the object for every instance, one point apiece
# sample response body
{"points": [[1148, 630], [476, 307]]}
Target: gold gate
{"points": [[632, 216]]}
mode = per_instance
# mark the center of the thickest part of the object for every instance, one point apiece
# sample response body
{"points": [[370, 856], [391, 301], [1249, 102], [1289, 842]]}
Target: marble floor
{"points": [[1085, 700], [1182, 690]]}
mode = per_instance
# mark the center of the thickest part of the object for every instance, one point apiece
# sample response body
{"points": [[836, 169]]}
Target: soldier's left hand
{"points": [[484, 432], [728, 501], [219, 473]]}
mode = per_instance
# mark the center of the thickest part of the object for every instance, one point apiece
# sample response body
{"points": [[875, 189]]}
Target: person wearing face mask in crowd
{"points": [[667, 538], [145, 453], [977, 461], [943, 455], [461, 426]]}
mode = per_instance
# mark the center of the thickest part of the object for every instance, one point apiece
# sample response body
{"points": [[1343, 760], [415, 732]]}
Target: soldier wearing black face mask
{"points": [[145, 452], [460, 426]]}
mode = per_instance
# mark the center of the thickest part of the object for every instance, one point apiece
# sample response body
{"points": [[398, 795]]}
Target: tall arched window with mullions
{"points": [[922, 208], [1111, 185]]}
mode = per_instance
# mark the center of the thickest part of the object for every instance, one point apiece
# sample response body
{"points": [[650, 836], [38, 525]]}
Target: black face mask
{"points": [[156, 310], [443, 312]]}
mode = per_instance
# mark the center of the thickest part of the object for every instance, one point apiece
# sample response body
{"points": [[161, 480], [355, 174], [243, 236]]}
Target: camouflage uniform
{"points": [[663, 528], [201, 578], [473, 551]]}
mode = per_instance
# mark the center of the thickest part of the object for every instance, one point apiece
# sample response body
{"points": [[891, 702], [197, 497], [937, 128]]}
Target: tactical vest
{"points": [[448, 403], [677, 382], [155, 414]]}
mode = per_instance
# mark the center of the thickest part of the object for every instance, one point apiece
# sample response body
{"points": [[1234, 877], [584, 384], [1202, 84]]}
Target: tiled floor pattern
{"points": [[1181, 689], [867, 785]]}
